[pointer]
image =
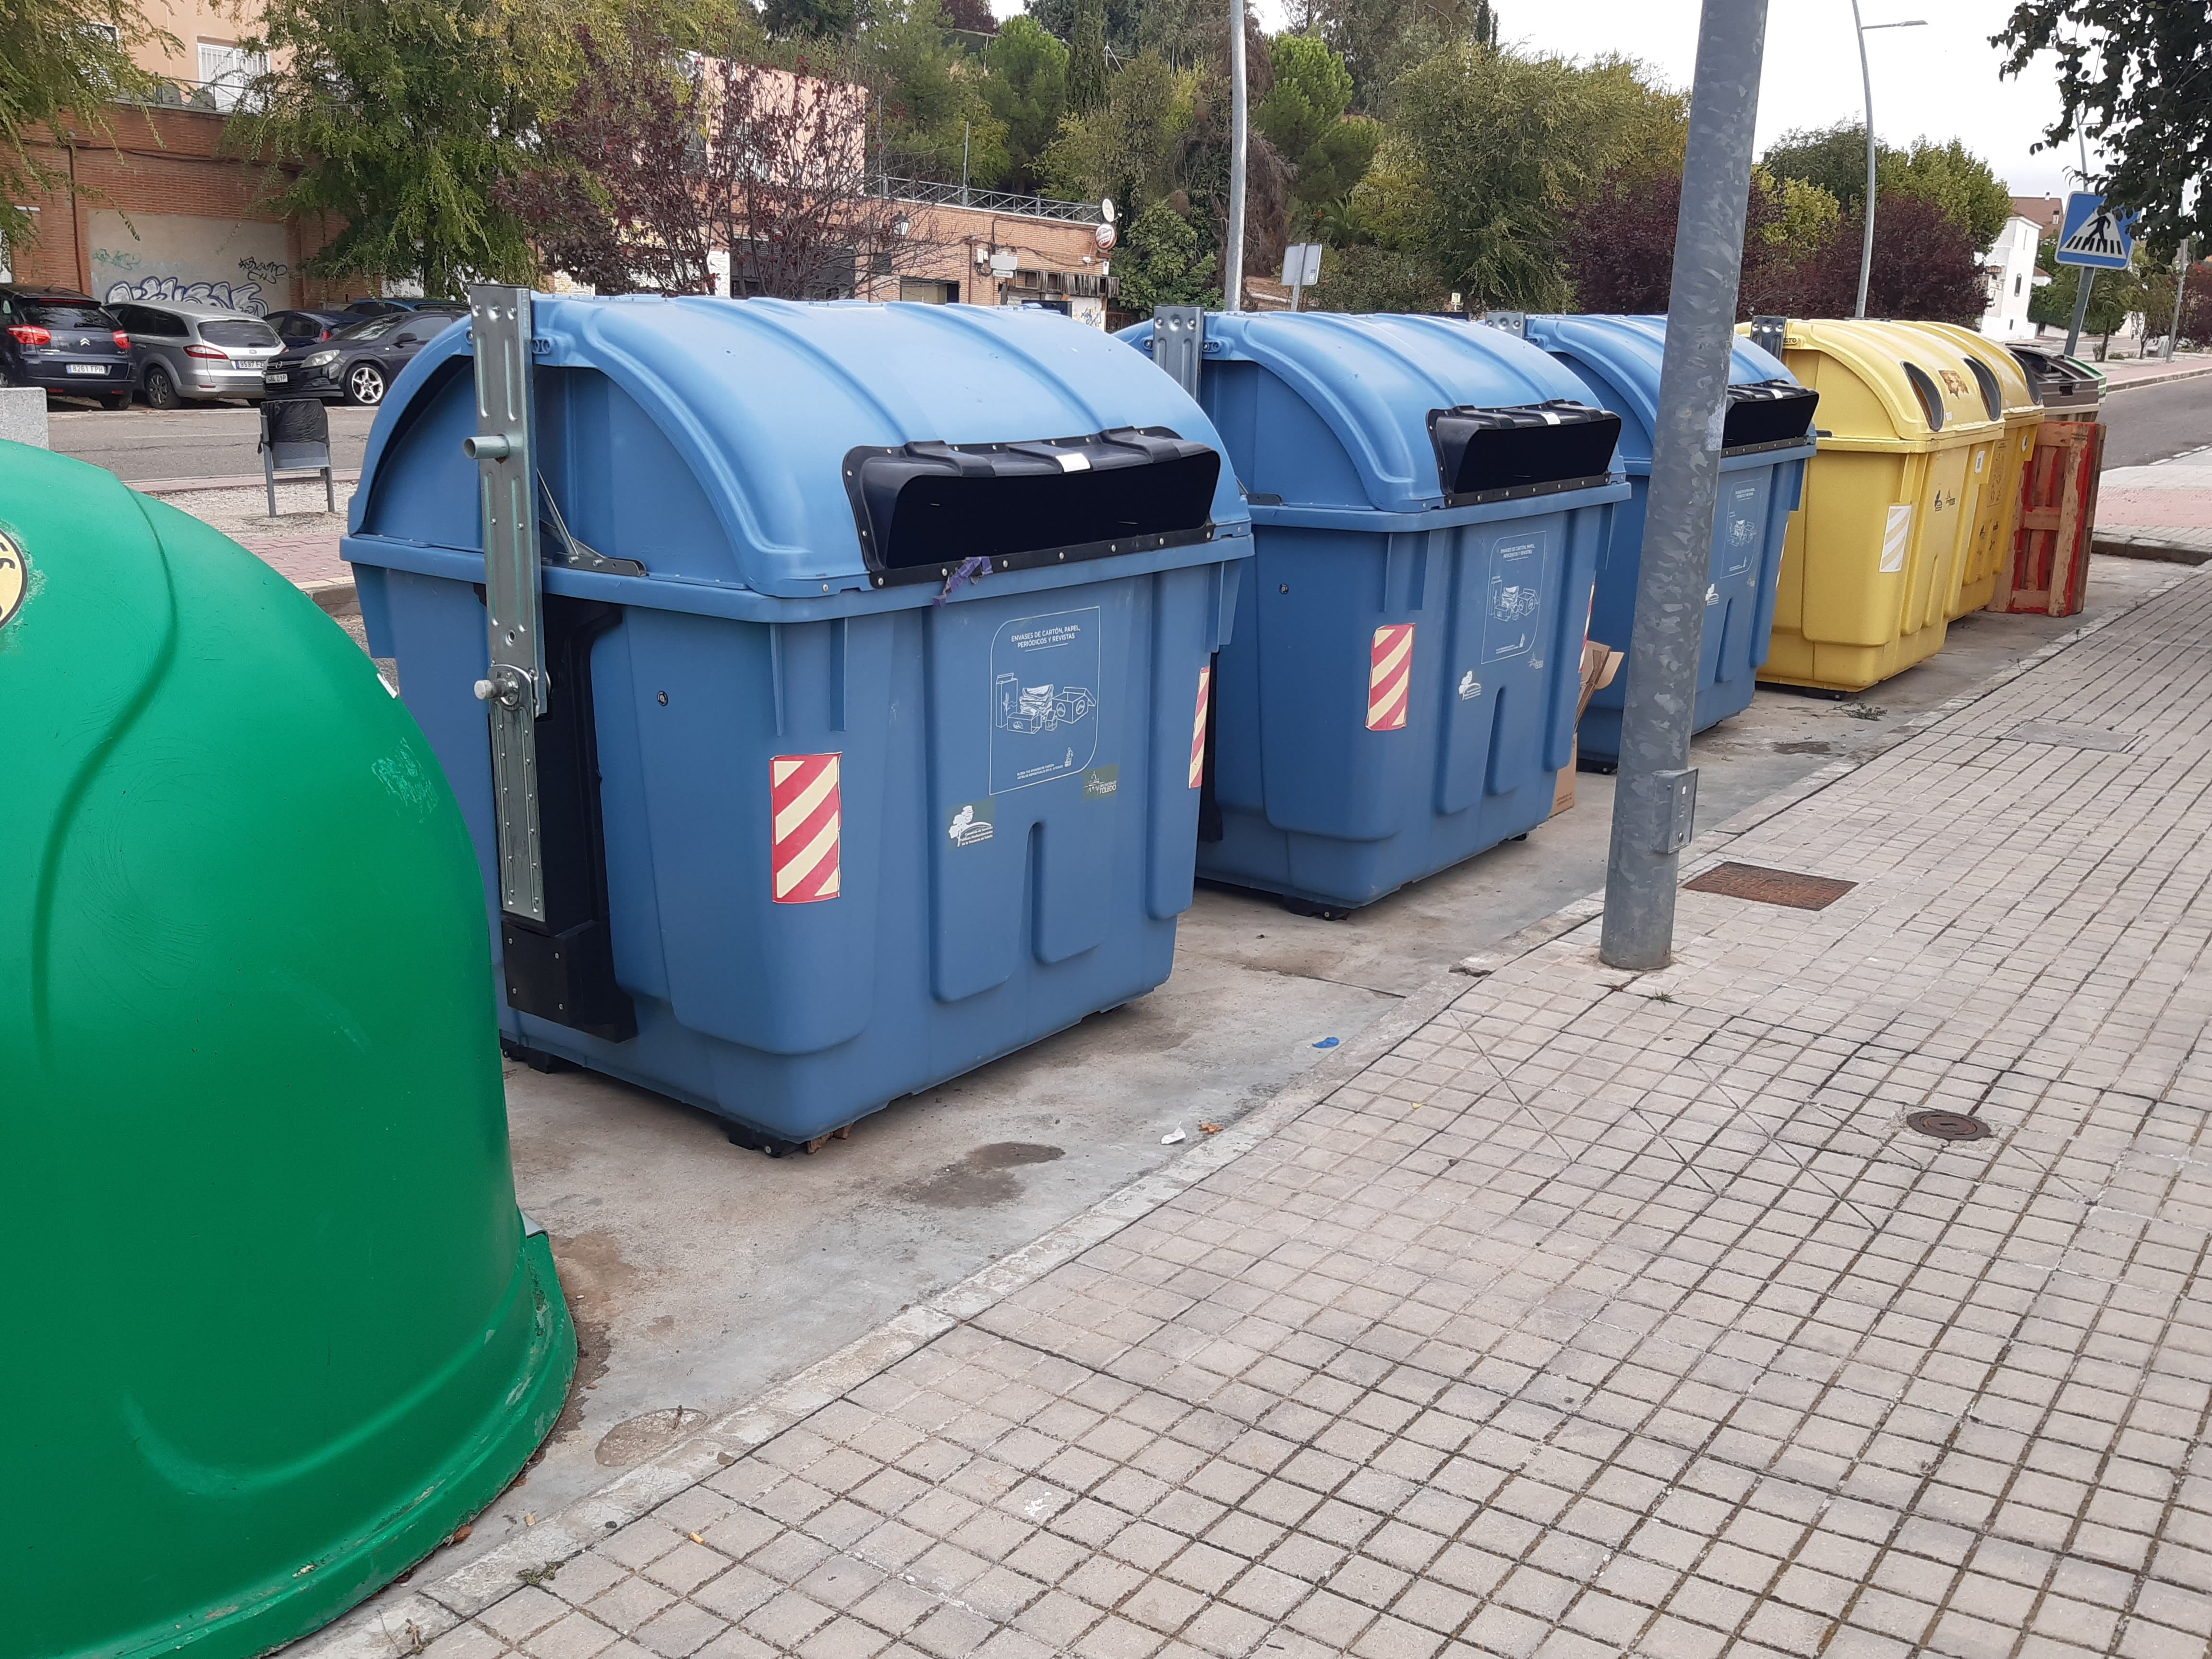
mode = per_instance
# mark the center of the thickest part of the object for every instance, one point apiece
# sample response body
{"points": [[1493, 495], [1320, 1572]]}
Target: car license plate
{"points": [[88, 369], [274, 380]]}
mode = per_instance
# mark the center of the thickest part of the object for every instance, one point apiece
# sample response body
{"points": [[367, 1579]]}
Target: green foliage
{"points": [[2115, 296], [1368, 278], [2132, 74], [61, 58], [810, 20], [1165, 262], [932, 105], [1803, 216], [1950, 175], [1487, 151], [1303, 118], [1381, 39], [1129, 146], [1027, 91], [1087, 65], [406, 118]]}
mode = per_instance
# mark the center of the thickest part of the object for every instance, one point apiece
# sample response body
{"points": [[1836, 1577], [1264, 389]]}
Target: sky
{"points": [[1940, 81]]}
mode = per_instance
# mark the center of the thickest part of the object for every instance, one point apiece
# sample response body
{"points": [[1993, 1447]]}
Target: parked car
{"points": [[196, 352], [65, 341], [359, 361], [383, 306], [313, 326]]}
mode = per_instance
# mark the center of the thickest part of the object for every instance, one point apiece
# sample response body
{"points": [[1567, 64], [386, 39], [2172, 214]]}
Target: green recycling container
{"points": [[276, 1326]]}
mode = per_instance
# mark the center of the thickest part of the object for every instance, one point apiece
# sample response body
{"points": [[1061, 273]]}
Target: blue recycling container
{"points": [[876, 760], [1767, 439], [1429, 501]]}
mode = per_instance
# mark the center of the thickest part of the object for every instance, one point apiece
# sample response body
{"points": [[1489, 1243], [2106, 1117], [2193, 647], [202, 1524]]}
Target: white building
{"points": [[2010, 270]]}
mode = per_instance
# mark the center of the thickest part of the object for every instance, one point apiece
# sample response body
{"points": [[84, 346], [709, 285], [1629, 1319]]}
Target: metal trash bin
{"points": [[1429, 499], [1872, 563], [274, 1308], [1767, 439], [840, 735], [2007, 393], [2063, 383]]}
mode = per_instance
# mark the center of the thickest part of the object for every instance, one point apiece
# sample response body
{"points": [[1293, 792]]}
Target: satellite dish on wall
{"points": [[1106, 210]]}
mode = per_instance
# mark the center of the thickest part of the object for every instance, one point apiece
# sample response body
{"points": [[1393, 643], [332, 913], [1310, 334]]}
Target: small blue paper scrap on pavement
{"points": [[1326, 1043]]}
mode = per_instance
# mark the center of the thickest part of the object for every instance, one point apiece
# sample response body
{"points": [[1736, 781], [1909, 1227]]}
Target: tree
{"points": [[1618, 246], [1926, 267], [61, 58], [2115, 296], [1303, 118], [405, 118], [1380, 40], [1026, 90], [810, 20], [1949, 174], [1485, 153], [936, 122], [2132, 74], [1165, 262], [1086, 64], [974, 16], [1127, 147], [1363, 277]]}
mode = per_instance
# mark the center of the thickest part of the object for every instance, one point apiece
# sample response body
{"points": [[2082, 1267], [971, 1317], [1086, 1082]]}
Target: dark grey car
{"points": [[66, 342], [196, 351]]}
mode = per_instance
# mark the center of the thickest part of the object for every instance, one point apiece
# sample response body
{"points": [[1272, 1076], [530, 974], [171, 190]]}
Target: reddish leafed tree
{"points": [[1925, 267], [666, 160], [1618, 251], [973, 16]]}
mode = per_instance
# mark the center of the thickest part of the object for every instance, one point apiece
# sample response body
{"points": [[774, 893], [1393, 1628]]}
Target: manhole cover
{"points": [[1764, 886], [2062, 736], [1949, 1126]]}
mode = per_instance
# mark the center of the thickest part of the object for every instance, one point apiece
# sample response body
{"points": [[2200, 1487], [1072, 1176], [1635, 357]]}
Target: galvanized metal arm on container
{"points": [[515, 691]]}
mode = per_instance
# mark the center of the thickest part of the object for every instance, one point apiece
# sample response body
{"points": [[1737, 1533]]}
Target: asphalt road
{"points": [[2155, 421], [139, 445]]}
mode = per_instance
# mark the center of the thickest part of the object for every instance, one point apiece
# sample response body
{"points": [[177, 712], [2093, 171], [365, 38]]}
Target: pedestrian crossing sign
{"points": [[2103, 237]]}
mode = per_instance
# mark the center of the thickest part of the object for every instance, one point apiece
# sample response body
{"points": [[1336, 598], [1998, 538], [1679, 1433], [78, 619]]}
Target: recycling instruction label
{"points": [[1044, 697]]}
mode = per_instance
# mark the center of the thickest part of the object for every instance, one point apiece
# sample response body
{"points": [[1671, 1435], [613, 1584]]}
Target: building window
{"points": [[2016, 283], [919, 291], [227, 75]]}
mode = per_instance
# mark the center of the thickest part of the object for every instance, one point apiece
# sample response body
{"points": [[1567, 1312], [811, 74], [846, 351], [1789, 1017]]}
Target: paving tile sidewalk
{"points": [[1605, 1315]]}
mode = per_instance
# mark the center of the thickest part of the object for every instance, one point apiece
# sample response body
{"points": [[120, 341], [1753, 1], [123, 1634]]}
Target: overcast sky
{"points": [[1940, 79]]}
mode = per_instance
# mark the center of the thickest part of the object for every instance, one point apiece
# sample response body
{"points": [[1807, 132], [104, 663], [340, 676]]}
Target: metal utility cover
{"points": [[1764, 886], [1948, 1125], [2062, 736]]}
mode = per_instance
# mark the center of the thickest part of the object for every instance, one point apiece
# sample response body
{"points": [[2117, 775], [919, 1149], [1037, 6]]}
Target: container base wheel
{"points": [[536, 1059], [753, 1140], [1603, 769], [1304, 907]]}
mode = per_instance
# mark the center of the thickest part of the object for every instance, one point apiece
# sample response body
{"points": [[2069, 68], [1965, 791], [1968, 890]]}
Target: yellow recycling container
{"points": [[1873, 564], [2004, 387]]}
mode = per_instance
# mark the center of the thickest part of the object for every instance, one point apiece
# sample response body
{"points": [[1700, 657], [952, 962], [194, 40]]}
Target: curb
{"points": [[406, 1623], [337, 598], [245, 481], [2112, 390], [2161, 552]]}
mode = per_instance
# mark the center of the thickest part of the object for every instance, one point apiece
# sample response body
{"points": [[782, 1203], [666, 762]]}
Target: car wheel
{"points": [[115, 400], [364, 385], [160, 391]]}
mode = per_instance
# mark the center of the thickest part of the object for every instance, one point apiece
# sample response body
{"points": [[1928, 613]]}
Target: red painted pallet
{"points": [[2049, 571]]}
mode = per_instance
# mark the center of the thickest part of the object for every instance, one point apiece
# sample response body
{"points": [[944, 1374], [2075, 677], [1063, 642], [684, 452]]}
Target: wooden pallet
{"points": [[2048, 573]]}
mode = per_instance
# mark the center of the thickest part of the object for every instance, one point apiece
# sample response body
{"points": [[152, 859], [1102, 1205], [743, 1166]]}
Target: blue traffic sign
{"points": [[2103, 237]]}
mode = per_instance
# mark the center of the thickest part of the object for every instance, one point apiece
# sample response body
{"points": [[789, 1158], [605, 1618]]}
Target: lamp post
{"points": [[1866, 80], [1233, 278]]}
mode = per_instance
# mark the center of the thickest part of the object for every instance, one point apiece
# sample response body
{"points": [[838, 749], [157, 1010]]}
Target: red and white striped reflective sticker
{"points": [[1198, 729], [804, 796], [1390, 677]]}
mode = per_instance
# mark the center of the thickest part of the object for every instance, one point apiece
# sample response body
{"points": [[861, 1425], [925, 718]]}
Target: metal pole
{"points": [[1866, 242], [2180, 282], [1232, 275], [2087, 279], [967, 128], [1655, 795]]}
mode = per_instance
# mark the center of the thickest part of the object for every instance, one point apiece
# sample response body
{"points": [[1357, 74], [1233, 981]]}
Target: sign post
{"points": [[2096, 238], [1301, 268]]}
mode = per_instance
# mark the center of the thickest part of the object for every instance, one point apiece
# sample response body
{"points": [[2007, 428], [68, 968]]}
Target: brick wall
{"points": [[164, 163]]}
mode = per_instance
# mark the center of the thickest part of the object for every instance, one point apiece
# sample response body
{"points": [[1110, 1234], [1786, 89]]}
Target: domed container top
{"points": [[279, 1326], [1767, 439], [1429, 498]]}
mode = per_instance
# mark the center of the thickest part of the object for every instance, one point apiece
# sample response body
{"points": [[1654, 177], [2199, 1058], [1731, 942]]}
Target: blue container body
{"points": [[1618, 361], [1360, 556], [1007, 864]]}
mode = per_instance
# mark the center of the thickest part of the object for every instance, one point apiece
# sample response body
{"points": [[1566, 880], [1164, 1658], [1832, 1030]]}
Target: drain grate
{"points": [[2060, 735], [1949, 1126], [1764, 886]]}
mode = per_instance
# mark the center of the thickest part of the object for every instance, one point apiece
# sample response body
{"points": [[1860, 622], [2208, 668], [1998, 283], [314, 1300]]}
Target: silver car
{"points": [[196, 351]]}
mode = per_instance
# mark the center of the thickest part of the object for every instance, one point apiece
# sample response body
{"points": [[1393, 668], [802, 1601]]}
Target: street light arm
{"points": [[1866, 81]]}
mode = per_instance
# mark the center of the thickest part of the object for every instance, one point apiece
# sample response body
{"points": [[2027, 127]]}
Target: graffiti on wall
{"points": [[238, 264]]}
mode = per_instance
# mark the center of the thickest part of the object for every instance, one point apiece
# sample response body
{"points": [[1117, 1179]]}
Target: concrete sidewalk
{"points": [[2162, 511], [1597, 1315]]}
